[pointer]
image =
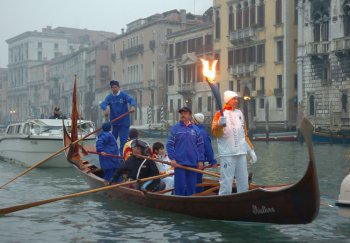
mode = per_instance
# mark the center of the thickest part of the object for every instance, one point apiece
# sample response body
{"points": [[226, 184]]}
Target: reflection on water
{"points": [[96, 218]]}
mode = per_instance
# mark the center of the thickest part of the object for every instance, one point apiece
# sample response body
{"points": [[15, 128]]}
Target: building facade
{"points": [[139, 60], [258, 59], [186, 84], [323, 61], [34, 48]]}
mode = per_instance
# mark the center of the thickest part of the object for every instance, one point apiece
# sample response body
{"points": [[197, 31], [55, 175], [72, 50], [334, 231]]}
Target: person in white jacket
{"points": [[233, 145]]}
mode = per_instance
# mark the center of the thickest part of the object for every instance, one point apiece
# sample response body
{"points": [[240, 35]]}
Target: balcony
{"points": [[243, 70], [151, 84], [318, 48], [186, 88], [242, 35], [133, 86], [341, 45], [152, 45], [278, 92], [132, 51], [261, 92]]}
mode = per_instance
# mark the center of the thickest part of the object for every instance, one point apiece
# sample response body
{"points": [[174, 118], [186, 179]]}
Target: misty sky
{"points": [[18, 16]]}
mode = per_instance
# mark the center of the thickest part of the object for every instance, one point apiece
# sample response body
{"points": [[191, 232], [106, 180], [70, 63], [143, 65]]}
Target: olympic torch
{"points": [[209, 74]]}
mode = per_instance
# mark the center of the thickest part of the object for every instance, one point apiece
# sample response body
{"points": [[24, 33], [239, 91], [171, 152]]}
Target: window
{"points": [[346, 18], [279, 82], [171, 77], [231, 20], [171, 51], [200, 104], [200, 76], [40, 45], [230, 85], [261, 103], [261, 14], [208, 46], [278, 8], [40, 55], [296, 81], [238, 85], [230, 58], [239, 17], [56, 45], [178, 53], [261, 53], [295, 12], [217, 57], [344, 102], [169, 31], [279, 102], [253, 84], [209, 103], [179, 75], [262, 83], [178, 104], [191, 45], [279, 51], [311, 105], [217, 25], [171, 108], [252, 13], [245, 15], [104, 72]]}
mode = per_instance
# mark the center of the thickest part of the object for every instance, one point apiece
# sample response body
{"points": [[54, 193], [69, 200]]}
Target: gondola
{"points": [[296, 203]]}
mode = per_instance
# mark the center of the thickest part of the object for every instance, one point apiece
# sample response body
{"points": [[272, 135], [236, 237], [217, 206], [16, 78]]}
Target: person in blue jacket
{"points": [[106, 144], [114, 105], [198, 120], [185, 147]]}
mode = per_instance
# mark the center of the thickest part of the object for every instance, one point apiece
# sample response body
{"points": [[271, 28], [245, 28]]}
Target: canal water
{"points": [[95, 219]]}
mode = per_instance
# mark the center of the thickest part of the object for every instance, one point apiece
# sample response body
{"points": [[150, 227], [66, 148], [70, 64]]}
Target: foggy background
{"points": [[18, 16]]}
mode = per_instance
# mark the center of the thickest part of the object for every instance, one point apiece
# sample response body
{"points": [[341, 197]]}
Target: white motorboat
{"points": [[36, 139]]}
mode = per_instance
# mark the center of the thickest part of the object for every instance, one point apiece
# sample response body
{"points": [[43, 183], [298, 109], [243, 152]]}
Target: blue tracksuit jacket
{"points": [[107, 143], [208, 149], [185, 144], [118, 105]]}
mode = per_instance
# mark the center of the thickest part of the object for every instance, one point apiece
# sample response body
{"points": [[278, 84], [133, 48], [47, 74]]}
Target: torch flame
{"points": [[209, 73]]}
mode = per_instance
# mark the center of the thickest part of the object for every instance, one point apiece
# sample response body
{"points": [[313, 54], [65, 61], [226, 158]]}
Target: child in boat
{"points": [[138, 168], [106, 144], [159, 153], [127, 150]]}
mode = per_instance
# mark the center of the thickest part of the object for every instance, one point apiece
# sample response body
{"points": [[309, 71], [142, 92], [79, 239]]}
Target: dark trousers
{"points": [[184, 182], [121, 131]]}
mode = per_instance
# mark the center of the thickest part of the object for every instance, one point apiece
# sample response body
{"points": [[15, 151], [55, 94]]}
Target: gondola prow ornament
{"points": [[209, 74]]}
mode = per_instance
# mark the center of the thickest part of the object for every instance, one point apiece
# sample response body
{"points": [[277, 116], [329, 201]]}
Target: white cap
{"points": [[228, 95], [198, 117]]}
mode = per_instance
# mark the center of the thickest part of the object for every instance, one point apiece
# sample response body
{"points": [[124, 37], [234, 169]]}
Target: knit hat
{"points": [[228, 95], [198, 117], [114, 82], [106, 126]]}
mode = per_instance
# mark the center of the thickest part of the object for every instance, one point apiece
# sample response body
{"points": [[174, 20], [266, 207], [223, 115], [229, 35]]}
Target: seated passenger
{"points": [[133, 134], [159, 153], [138, 168], [106, 144]]}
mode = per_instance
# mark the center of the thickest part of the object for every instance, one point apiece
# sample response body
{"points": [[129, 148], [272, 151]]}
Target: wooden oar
{"points": [[109, 155], [178, 165], [60, 151], [8, 210]]}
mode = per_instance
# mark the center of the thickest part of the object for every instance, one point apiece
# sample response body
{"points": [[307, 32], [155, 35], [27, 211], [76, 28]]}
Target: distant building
{"points": [[5, 113], [33, 48], [186, 84], [139, 61], [255, 42], [324, 61]]}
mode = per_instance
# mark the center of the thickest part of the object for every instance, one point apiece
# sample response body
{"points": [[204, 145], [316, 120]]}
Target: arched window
{"points": [[217, 24], [245, 15], [312, 105], [252, 12], [231, 19], [320, 20], [239, 17], [261, 14], [346, 19]]}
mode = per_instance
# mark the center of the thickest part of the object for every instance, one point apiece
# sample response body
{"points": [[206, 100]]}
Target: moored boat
{"points": [[280, 136], [322, 135], [31, 141]]}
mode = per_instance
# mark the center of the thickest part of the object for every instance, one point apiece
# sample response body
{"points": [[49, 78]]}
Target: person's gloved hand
{"points": [[252, 155], [222, 121]]}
